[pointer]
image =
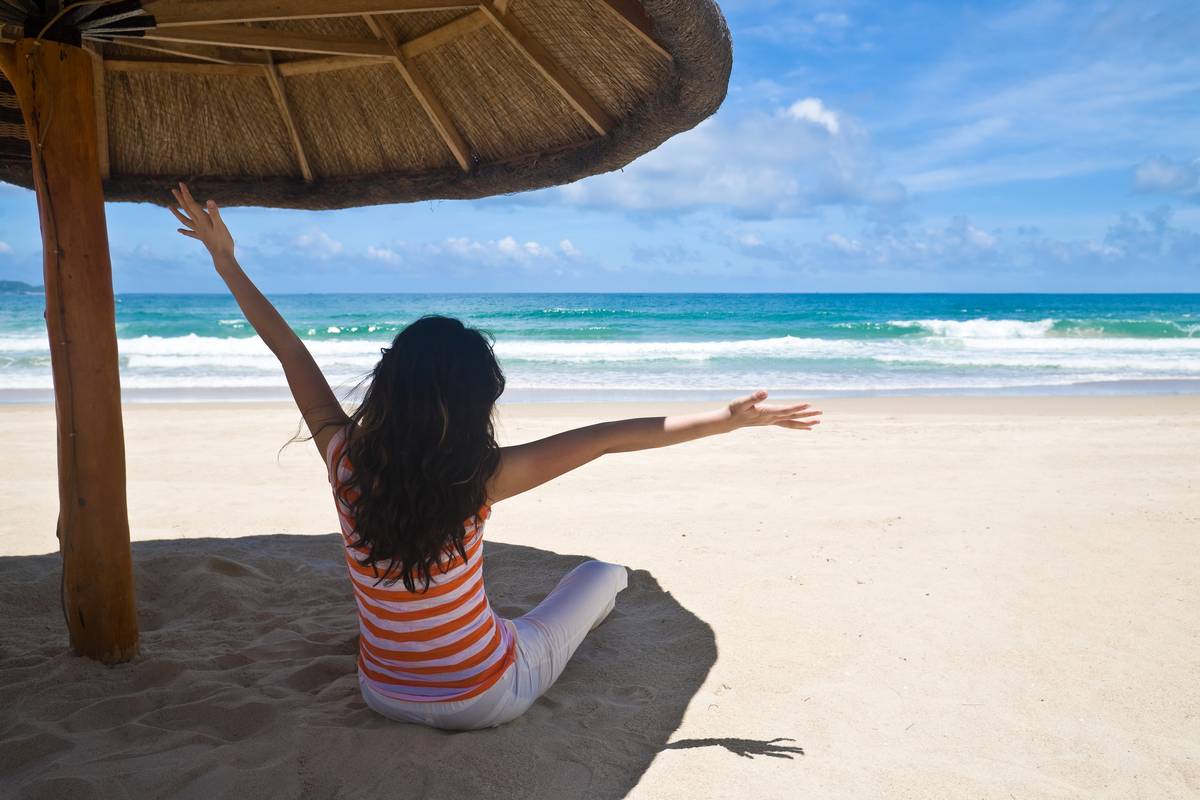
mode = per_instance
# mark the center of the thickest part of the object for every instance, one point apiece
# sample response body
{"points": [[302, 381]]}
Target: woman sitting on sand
{"points": [[416, 459]]}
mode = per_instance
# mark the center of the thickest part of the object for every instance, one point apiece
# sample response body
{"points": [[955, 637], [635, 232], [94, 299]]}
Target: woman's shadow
{"points": [[246, 684]]}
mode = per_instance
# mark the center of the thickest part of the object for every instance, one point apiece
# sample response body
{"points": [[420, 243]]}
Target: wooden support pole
{"points": [[101, 102], [53, 84]]}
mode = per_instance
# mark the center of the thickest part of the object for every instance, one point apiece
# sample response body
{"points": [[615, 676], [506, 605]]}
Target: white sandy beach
{"points": [[926, 598]]}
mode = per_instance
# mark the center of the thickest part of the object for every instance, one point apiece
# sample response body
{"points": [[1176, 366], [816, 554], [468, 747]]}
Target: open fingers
{"points": [[743, 403], [785, 411], [189, 202], [182, 217], [800, 415], [797, 424], [188, 233], [189, 211]]}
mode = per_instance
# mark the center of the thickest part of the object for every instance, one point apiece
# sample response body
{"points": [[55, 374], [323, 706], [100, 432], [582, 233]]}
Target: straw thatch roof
{"points": [[336, 103]]}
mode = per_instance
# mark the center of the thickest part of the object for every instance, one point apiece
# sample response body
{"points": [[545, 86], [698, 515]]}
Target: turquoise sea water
{"points": [[670, 346]]}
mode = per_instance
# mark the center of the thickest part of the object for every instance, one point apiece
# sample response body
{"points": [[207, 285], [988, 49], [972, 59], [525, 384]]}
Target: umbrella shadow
{"points": [[246, 684]]}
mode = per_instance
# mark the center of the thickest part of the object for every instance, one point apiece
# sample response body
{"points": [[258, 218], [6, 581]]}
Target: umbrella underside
{"points": [[330, 103]]}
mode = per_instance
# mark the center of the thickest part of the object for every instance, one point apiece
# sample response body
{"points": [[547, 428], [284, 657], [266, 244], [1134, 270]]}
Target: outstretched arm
{"points": [[317, 402], [525, 466]]}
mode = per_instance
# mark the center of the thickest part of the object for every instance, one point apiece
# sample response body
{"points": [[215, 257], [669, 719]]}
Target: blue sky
{"points": [[864, 146]]}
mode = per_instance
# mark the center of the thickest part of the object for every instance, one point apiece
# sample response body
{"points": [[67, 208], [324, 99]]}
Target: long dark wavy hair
{"points": [[423, 448]]}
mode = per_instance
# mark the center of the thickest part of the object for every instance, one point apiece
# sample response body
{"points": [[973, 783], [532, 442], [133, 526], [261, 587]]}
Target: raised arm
{"points": [[316, 401], [525, 466]]}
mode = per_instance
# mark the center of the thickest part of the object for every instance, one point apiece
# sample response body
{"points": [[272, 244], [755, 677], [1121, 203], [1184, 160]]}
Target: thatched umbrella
{"points": [[298, 104]]}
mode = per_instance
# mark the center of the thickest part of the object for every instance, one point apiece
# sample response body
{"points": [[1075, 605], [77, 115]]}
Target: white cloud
{"points": [[769, 163], [5, 247], [516, 250], [787, 25], [1161, 175], [832, 19], [461, 246], [957, 242], [811, 109], [979, 238], [507, 249], [385, 254], [318, 244], [1133, 244], [843, 244], [568, 249]]}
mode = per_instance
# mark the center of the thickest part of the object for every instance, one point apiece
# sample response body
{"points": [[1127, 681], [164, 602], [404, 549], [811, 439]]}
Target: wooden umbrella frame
{"points": [[59, 84], [220, 23]]}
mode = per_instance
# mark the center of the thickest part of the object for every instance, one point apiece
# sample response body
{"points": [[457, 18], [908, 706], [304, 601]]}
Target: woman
{"points": [[415, 471]]}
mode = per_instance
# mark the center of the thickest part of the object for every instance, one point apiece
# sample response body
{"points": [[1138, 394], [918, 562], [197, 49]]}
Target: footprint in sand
{"points": [[633, 695], [231, 568], [228, 720], [319, 674], [75, 788], [25, 749]]}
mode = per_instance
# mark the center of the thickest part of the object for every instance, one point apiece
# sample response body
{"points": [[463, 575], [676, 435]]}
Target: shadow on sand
{"points": [[246, 686]]}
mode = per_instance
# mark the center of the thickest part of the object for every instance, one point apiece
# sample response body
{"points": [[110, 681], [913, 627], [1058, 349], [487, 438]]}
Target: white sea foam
{"points": [[592, 351], [981, 328], [974, 353]]}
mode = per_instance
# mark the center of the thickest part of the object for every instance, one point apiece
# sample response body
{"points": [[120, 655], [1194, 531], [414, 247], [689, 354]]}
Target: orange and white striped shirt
{"points": [[443, 644]]}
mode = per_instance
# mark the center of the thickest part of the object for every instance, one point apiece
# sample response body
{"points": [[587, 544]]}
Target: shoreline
{"points": [[1149, 388], [1183, 403]]}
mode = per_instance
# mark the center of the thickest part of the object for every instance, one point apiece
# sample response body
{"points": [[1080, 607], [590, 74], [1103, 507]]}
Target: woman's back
{"points": [[428, 454], [445, 643]]}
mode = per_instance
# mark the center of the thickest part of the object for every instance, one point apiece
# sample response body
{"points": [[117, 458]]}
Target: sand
{"points": [[929, 597]]}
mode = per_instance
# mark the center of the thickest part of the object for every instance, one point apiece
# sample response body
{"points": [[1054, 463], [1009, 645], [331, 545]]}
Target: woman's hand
{"points": [[749, 411], [203, 223]]}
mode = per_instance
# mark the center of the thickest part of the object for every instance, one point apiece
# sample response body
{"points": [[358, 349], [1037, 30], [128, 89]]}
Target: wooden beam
{"points": [[184, 67], [411, 49], [93, 521], [633, 15], [310, 66], [264, 39], [425, 95], [285, 111], [172, 13], [101, 103], [445, 34], [543, 62], [139, 44]]}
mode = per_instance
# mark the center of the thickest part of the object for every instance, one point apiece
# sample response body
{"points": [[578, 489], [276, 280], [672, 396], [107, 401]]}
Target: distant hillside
{"points": [[19, 287]]}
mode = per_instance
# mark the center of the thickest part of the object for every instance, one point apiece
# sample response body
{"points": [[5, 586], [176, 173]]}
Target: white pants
{"points": [[546, 638]]}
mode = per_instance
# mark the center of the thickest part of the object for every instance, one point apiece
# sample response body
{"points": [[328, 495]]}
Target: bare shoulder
{"points": [[325, 428]]}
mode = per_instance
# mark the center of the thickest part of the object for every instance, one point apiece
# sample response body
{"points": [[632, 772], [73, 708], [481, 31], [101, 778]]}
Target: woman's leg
{"points": [[548, 635]]}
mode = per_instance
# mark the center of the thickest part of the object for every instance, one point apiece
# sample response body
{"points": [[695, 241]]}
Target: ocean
{"points": [[565, 347]]}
